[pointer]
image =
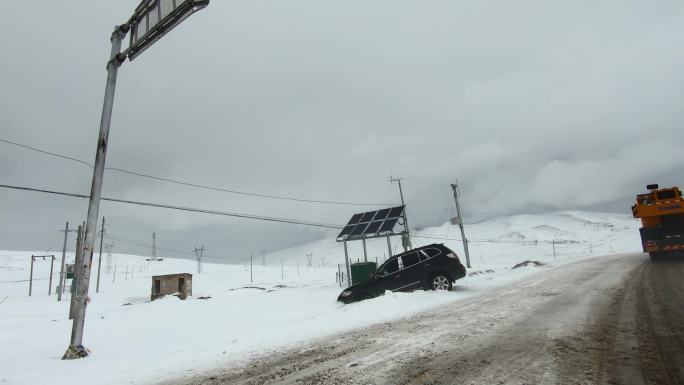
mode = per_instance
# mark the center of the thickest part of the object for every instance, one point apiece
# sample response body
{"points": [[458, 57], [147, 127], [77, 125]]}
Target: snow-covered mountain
{"points": [[253, 310], [499, 241]]}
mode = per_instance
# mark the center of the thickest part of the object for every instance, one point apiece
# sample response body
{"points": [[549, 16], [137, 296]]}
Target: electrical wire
{"points": [[245, 193], [441, 217], [472, 240], [116, 238], [414, 221], [195, 185], [440, 238], [182, 208], [46, 152]]}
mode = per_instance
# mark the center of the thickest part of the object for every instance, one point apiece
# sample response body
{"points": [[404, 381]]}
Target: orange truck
{"points": [[662, 218]]}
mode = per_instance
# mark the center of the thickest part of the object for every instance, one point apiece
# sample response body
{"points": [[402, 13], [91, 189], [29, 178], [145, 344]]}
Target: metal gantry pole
{"points": [[99, 259], [61, 270], [76, 348], [389, 247], [454, 187]]}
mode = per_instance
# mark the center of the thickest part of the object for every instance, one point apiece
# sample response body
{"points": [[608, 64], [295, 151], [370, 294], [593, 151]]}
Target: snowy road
{"points": [[612, 319]]}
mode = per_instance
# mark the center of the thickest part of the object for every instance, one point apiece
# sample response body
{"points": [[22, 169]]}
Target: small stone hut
{"points": [[179, 285]]}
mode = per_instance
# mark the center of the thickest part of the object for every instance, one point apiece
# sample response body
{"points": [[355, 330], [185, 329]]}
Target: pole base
{"points": [[75, 352]]}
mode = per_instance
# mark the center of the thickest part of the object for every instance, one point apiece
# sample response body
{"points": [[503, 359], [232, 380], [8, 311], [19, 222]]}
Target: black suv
{"points": [[428, 267]]}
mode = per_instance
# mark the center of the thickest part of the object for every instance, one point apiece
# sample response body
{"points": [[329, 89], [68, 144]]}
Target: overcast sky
{"points": [[533, 105]]}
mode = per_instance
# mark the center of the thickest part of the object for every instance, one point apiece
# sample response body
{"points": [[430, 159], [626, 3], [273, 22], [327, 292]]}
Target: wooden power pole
{"points": [[405, 236], [99, 259], [459, 221]]}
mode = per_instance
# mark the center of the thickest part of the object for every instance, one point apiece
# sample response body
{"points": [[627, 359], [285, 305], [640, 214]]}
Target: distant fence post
{"points": [[52, 266], [31, 277]]}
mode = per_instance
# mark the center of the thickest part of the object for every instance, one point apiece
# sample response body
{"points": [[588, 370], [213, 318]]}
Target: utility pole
{"points": [[99, 259], [76, 280], [454, 187], [109, 247], [31, 276], [198, 253], [52, 265], [405, 236], [154, 246], [61, 271]]}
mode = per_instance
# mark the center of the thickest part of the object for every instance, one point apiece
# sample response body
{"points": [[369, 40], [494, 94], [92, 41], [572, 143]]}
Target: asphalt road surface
{"points": [[608, 320]]}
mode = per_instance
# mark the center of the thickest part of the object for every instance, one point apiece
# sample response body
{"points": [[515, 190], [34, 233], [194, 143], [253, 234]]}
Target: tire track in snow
{"points": [[604, 320]]}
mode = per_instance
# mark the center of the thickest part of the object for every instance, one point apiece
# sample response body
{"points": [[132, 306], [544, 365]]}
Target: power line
{"points": [[139, 244], [245, 193], [117, 238], [195, 185], [471, 240], [46, 152], [446, 238], [182, 208]]}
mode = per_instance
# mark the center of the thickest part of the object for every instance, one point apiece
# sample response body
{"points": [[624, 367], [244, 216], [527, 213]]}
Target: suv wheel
{"points": [[440, 281]]}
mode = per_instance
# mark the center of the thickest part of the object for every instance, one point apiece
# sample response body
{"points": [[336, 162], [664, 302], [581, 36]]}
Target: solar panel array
{"points": [[371, 224]]}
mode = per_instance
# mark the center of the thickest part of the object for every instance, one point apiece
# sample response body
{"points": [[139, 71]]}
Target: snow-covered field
{"points": [[133, 340]]}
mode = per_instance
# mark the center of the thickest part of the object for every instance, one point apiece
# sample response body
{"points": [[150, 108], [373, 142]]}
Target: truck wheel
{"points": [[656, 255]]}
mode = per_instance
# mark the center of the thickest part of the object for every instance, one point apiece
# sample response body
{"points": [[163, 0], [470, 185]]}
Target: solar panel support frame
{"points": [[356, 220]]}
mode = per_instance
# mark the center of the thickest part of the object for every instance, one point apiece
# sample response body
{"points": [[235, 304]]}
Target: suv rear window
{"points": [[410, 259], [430, 252]]}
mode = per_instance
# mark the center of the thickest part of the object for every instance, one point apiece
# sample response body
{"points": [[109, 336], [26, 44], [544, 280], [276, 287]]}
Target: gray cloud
{"points": [[533, 105]]}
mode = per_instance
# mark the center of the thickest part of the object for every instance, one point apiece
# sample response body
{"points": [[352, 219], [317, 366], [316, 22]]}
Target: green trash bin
{"points": [[362, 271]]}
